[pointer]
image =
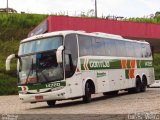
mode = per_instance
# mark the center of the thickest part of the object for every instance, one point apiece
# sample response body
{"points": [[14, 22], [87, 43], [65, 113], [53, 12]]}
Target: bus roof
{"points": [[95, 34]]}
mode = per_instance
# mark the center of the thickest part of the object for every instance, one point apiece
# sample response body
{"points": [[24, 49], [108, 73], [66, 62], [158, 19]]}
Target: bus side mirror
{"points": [[8, 61], [59, 54]]}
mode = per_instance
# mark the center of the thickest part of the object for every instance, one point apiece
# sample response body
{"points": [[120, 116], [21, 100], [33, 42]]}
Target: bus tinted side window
{"points": [[143, 50], [146, 51], [137, 49], [130, 49], [85, 46], [110, 47], [121, 49], [98, 46]]}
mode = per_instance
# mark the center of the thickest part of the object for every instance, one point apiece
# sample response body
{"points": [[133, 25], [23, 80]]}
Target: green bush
{"points": [[157, 65], [13, 28], [155, 20], [8, 85], [17, 26]]}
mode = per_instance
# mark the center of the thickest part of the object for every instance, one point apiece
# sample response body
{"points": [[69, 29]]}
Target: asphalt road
{"points": [[101, 107]]}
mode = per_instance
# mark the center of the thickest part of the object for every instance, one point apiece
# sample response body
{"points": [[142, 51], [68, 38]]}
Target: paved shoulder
{"points": [[124, 103]]}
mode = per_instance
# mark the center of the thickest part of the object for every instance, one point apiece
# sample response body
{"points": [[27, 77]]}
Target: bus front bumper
{"points": [[40, 97]]}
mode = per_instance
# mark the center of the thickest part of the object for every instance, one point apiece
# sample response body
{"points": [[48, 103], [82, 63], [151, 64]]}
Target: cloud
{"points": [[151, 4], [128, 8], [3, 3]]}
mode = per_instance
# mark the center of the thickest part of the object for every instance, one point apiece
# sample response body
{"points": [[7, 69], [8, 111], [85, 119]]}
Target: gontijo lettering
{"points": [[99, 64]]}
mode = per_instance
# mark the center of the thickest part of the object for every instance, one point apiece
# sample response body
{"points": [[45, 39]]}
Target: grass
{"points": [[13, 28]]}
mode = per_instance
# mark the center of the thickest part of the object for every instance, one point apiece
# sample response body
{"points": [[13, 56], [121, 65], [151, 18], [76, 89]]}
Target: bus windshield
{"points": [[39, 45], [38, 61]]}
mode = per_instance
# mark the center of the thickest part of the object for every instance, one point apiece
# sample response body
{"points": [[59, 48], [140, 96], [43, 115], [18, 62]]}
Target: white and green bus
{"points": [[74, 64]]}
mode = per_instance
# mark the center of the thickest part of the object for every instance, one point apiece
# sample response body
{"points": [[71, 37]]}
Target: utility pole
{"points": [[7, 6], [96, 8]]}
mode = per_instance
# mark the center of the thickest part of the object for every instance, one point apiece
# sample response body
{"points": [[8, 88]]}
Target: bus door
{"points": [[73, 78]]}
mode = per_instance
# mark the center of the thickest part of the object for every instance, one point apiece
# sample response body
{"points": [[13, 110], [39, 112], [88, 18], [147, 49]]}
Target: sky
{"points": [[125, 8]]}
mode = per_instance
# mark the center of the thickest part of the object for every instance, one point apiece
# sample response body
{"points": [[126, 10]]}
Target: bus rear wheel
{"points": [[138, 87], [51, 103], [87, 96], [144, 84]]}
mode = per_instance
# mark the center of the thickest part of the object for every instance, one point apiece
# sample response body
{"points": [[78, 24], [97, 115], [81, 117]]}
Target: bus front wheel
{"points": [[51, 103], [87, 96]]}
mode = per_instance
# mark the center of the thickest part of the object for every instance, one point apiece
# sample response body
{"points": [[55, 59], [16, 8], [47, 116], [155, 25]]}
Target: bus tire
{"points": [[131, 90], [51, 103], [144, 84], [137, 89], [87, 96]]}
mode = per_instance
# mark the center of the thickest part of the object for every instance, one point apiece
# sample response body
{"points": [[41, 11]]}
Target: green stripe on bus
{"points": [[82, 65], [138, 63], [128, 64], [146, 64], [43, 86], [115, 64], [127, 73], [101, 64]]}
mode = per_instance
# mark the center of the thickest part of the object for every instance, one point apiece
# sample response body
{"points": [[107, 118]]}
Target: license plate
{"points": [[39, 97]]}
